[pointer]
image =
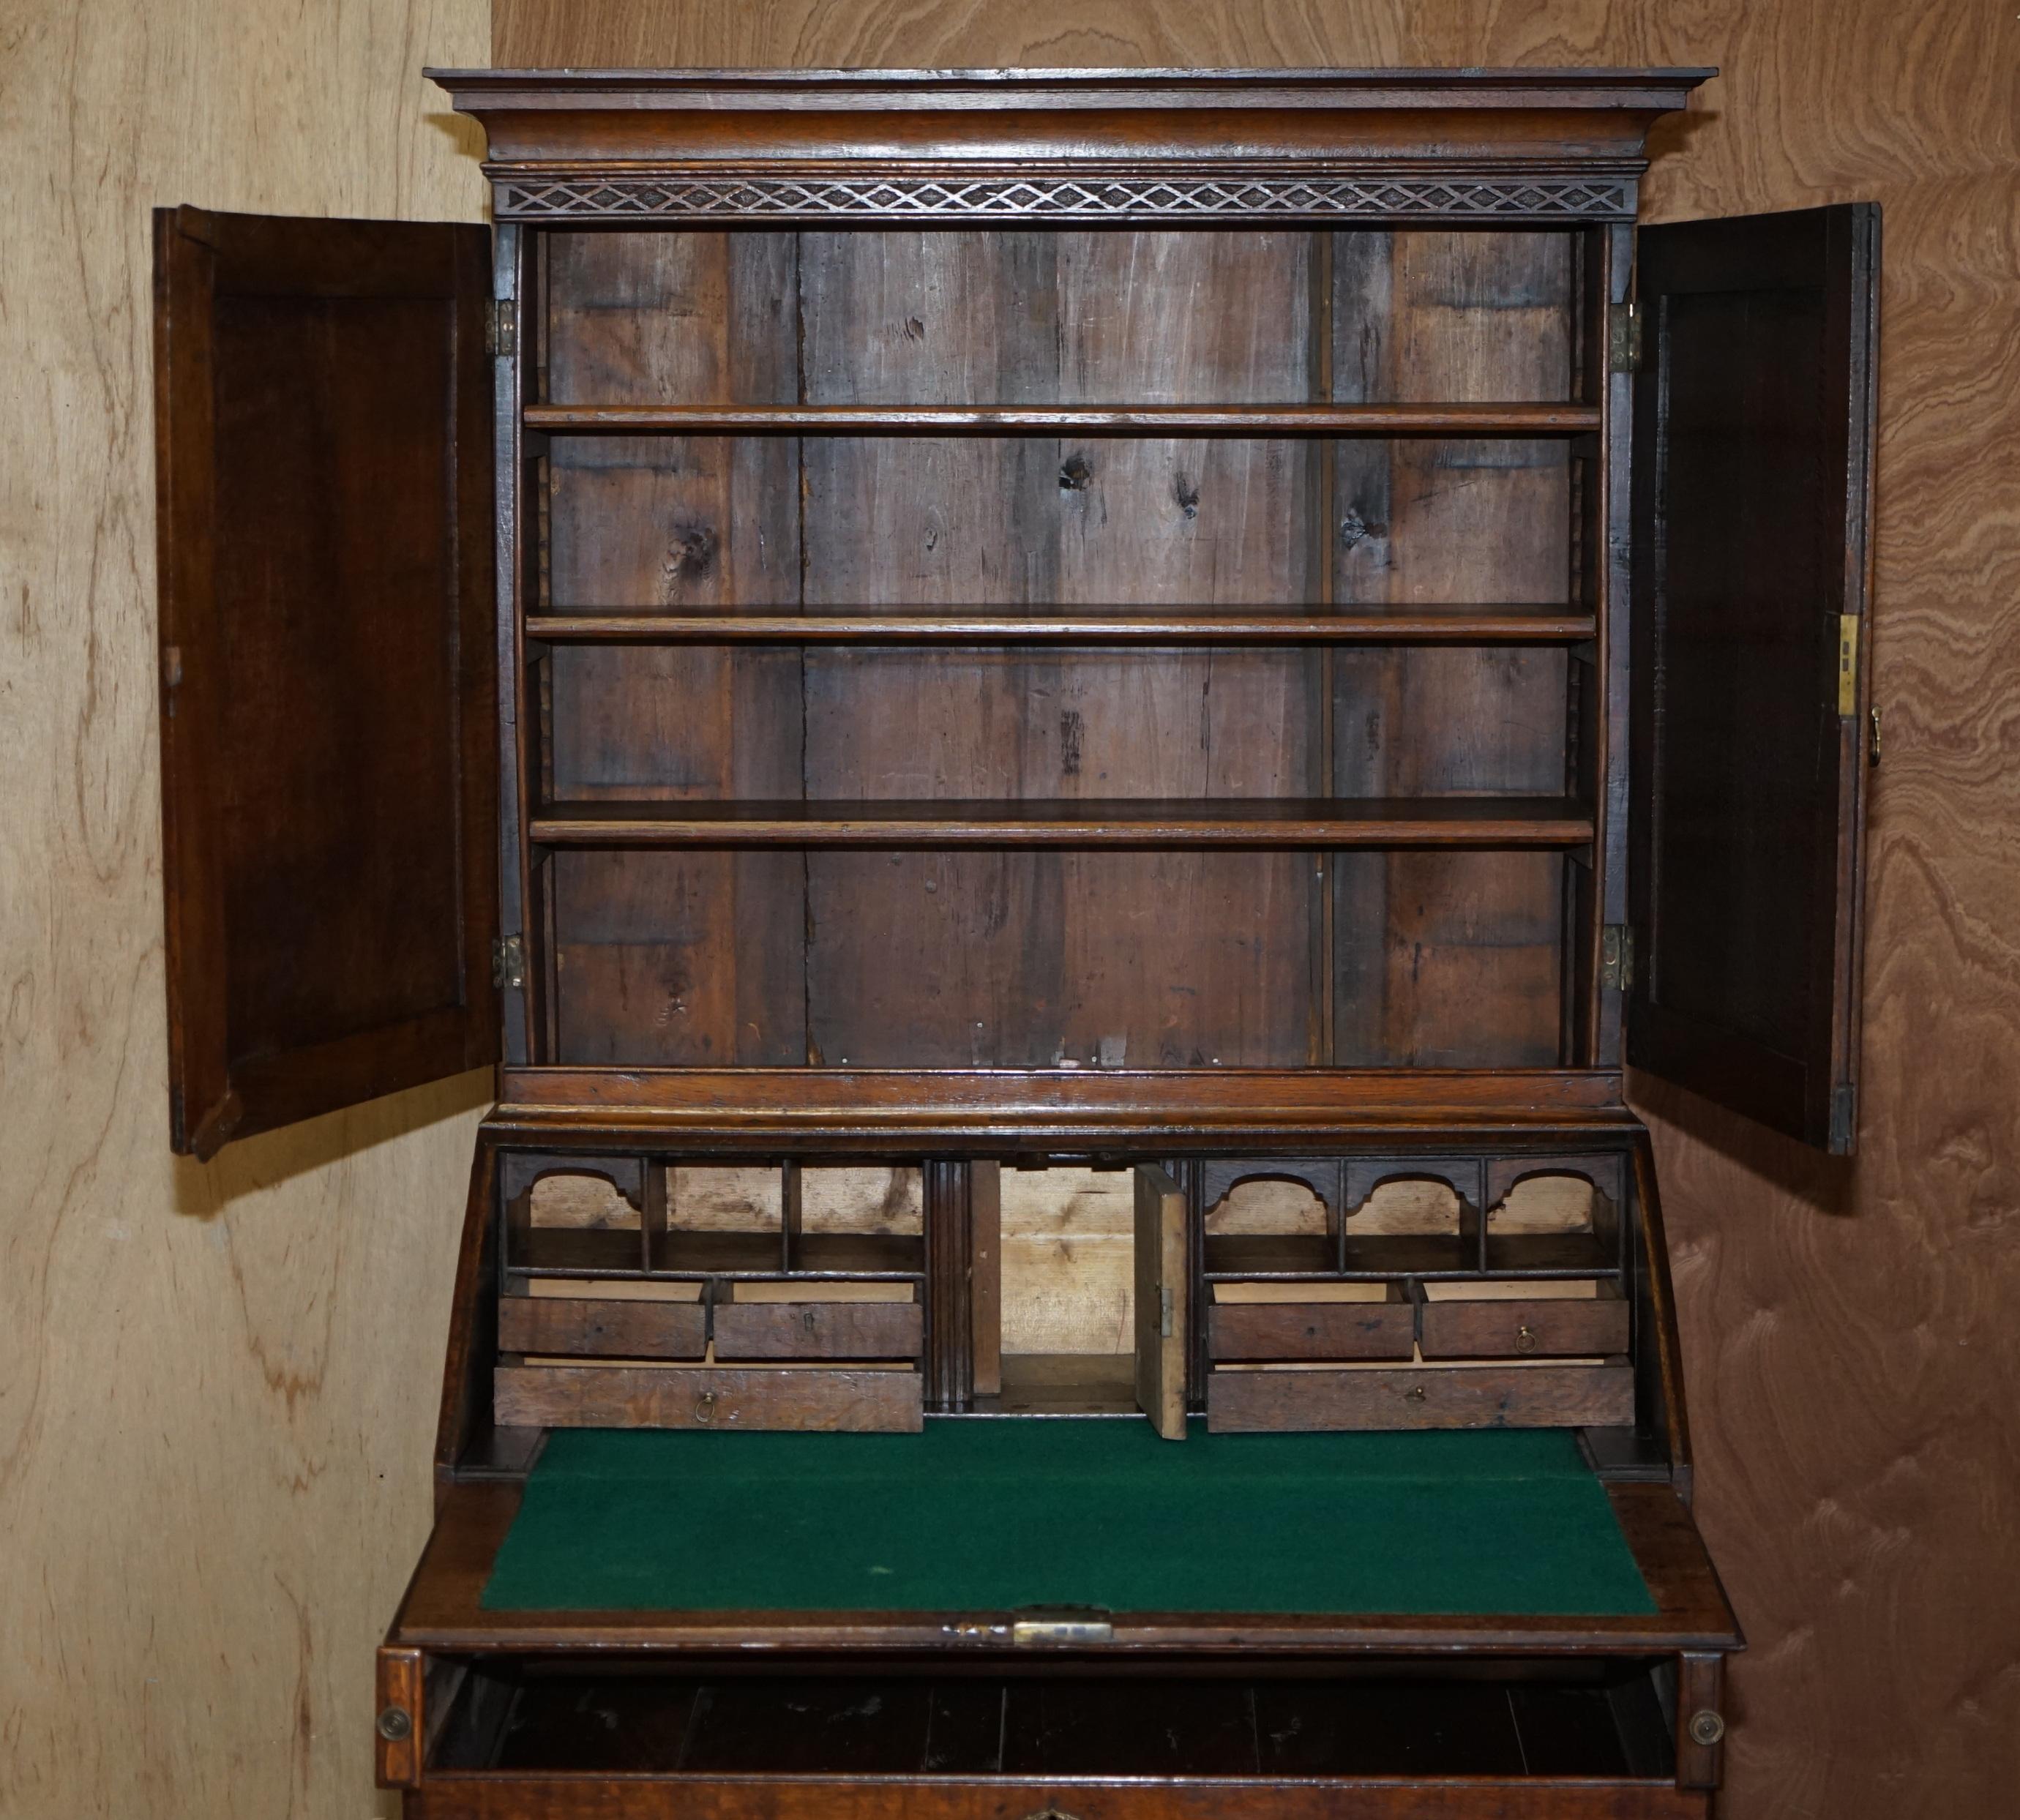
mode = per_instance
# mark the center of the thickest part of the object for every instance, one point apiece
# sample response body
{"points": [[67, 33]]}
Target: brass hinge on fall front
{"points": [[1068, 1624], [1848, 665], [508, 962], [501, 332], [1616, 957], [1164, 1314], [1623, 338]]}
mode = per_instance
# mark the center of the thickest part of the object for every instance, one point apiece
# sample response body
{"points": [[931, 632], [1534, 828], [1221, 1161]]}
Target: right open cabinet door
{"points": [[1753, 416]]}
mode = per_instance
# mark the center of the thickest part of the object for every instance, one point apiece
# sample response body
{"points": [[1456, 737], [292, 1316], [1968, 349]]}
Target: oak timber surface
{"points": [[218, 1383]]}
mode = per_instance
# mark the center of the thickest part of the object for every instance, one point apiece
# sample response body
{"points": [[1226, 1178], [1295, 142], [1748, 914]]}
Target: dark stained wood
{"points": [[693, 958], [599, 1326], [1423, 623], [1700, 1703], [402, 1718], [683, 1397], [813, 1329], [985, 1264], [1521, 1326], [1311, 1330], [1317, 1401], [1441, 960], [866, 1798], [949, 1366], [1162, 1305], [329, 788], [1073, 821], [1065, 420], [1753, 429]]}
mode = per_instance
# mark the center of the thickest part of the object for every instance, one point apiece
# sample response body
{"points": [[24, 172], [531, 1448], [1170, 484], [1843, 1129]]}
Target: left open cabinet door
{"points": [[329, 711]]}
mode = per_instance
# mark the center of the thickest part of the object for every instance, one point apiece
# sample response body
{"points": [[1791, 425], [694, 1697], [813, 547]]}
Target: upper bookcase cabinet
{"points": [[1100, 601]]}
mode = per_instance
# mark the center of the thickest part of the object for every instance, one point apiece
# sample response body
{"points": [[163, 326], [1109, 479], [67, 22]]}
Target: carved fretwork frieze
{"points": [[1181, 198]]}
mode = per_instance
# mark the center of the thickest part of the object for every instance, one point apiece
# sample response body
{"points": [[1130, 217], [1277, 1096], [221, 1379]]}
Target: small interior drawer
{"points": [[602, 1326], [1567, 1317], [1310, 1320], [825, 1320], [550, 1393]]}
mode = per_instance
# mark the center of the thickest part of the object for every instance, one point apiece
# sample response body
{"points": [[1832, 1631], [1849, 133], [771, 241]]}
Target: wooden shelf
{"points": [[1189, 420], [1488, 822], [1495, 624]]}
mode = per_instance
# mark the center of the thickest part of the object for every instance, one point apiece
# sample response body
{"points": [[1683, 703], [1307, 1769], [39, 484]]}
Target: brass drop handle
{"points": [[1525, 1338], [705, 1407], [1416, 1393]]}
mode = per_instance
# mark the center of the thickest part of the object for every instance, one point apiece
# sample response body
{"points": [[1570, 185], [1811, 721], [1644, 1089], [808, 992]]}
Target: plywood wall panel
{"points": [[1847, 1332], [216, 1383]]}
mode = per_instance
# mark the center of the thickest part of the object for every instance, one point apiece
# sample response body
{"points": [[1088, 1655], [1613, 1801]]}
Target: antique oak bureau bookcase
{"points": [[1060, 728]]}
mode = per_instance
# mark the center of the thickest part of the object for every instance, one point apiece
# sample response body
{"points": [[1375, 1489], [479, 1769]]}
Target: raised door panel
{"points": [[1752, 457], [329, 790]]}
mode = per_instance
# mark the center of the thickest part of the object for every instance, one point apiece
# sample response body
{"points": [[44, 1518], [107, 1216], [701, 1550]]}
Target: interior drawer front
{"points": [[1421, 1396], [680, 1397], [1522, 1328], [819, 1330], [596, 1327], [1311, 1330]]}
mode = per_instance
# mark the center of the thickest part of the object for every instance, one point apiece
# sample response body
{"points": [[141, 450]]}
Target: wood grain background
{"points": [[215, 1383]]}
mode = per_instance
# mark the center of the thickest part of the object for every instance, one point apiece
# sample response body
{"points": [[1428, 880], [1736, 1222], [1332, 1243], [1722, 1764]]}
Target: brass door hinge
{"points": [[1848, 665], [1623, 338], [508, 962], [1616, 957], [501, 331]]}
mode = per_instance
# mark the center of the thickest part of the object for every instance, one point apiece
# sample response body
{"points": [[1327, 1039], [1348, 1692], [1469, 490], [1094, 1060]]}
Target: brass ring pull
{"points": [[1525, 1339], [705, 1407], [396, 1725], [1706, 1727]]}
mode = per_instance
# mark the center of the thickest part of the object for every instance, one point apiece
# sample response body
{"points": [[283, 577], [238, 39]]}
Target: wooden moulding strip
{"points": [[1192, 1108], [562, 1395], [1492, 823], [1187, 420], [1420, 624]]}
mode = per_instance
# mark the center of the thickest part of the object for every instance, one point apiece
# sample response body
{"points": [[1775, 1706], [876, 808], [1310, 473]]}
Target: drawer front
{"points": [[1311, 1330], [619, 1397], [1421, 1396], [582, 1326], [819, 1330], [1523, 1328], [549, 1797]]}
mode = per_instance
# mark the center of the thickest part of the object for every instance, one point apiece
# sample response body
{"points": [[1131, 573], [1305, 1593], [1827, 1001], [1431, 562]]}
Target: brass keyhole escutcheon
{"points": [[1052, 1814], [1706, 1727], [1525, 1339], [396, 1725], [705, 1407]]}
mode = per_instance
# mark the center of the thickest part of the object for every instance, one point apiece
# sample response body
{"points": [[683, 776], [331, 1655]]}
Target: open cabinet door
{"points": [[1753, 412], [328, 757], [1160, 1301]]}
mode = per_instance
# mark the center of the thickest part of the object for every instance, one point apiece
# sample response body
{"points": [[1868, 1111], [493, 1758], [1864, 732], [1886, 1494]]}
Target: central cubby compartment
{"points": [[1040, 647]]}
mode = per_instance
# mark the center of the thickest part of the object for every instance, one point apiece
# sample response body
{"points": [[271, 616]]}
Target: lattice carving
{"points": [[945, 198]]}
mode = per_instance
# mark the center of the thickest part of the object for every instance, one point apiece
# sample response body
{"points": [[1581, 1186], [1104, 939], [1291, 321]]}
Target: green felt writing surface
{"points": [[995, 1514]]}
